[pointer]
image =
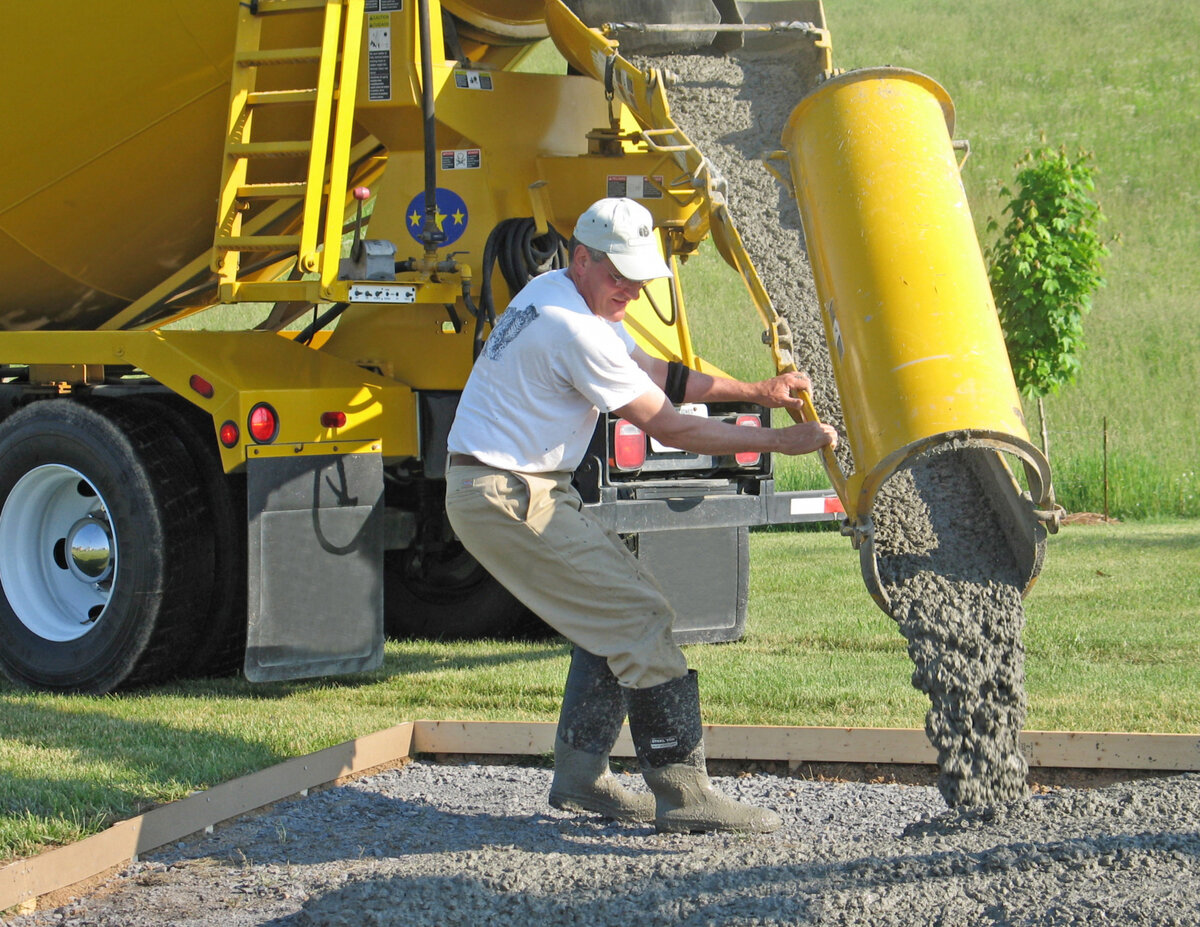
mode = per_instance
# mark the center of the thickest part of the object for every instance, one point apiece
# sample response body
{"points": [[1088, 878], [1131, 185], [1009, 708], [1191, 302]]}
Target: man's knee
{"points": [[648, 662]]}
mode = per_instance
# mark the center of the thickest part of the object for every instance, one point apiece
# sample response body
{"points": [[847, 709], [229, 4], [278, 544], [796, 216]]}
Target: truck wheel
{"points": [[102, 563], [220, 645], [450, 597]]}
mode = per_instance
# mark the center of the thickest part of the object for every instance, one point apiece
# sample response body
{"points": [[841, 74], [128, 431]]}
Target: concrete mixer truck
{"points": [[370, 181]]}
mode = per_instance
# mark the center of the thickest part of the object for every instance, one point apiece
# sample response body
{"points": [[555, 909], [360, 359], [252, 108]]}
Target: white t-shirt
{"points": [[544, 374]]}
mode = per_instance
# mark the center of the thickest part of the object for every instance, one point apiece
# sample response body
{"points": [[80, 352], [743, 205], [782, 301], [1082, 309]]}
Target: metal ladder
{"points": [[315, 236]]}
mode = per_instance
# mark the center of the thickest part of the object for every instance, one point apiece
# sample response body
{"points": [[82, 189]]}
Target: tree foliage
{"points": [[1045, 266]]}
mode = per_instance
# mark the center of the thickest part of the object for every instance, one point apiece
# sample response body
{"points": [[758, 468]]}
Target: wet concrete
{"points": [[953, 586], [955, 593]]}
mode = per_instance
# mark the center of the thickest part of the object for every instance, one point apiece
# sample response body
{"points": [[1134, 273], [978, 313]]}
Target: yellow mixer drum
{"points": [[917, 350], [113, 184]]}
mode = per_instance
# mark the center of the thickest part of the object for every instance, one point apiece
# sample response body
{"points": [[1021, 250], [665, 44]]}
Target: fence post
{"points": [[1105, 458]]}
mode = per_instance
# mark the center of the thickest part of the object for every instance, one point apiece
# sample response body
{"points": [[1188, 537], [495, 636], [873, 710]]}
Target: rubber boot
{"points": [[593, 710], [668, 737]]}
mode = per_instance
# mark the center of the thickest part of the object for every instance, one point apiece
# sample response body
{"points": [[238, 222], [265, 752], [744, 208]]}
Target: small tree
{"points": [[1045, 267]]}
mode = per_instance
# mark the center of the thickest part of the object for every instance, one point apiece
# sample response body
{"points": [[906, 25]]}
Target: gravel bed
{"points": [[450, 845]]}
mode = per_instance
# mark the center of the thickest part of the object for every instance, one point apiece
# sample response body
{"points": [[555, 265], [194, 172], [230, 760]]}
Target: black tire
{"points": [[451, 597], [117, 471], [219, 643]]}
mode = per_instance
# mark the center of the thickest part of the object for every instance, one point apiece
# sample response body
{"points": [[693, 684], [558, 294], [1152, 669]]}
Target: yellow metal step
{"points": [[293, 149], [293, 190], [264, 56], [265, 97], [288, 6]]}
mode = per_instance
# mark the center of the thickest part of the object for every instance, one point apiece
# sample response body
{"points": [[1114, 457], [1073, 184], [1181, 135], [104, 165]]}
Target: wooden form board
{"points": [[122, 843], [27, 879], [1068, 749]]}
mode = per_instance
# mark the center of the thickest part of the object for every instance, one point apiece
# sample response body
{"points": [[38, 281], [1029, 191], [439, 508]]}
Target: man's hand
{"points": [[806, 437], [654, 414], [782, 392]]}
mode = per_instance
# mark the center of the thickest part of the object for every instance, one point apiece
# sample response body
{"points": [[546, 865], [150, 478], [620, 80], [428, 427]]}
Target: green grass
{"points": [[1113, 643], [1116, 612], [1115, 77]]}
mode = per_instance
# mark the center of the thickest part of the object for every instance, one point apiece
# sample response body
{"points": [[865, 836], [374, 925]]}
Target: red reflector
{"points": [[333, 419], [263, 423], [629, 446], [201, 386], [228, 433], [748, 458], [833, 504]]}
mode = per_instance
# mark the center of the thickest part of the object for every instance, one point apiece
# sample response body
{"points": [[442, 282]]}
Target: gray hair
{"points": [[594, 253]]}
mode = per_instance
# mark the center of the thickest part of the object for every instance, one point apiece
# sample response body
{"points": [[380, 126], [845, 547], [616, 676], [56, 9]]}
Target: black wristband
{"points": [[677, 377]]}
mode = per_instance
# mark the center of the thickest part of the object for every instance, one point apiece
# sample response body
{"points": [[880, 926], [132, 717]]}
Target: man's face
{"points": [[602, 286]]}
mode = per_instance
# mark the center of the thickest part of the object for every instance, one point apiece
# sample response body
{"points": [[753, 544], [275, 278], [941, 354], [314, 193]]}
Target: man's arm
{"points": [[776, 393], [655, 415]]}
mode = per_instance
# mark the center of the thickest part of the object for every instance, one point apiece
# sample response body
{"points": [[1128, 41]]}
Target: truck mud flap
{"points": [[705, 574], [315, 566]]}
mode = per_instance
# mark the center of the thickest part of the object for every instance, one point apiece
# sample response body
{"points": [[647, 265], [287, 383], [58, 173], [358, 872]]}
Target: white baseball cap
{"points": [[623, 229]]}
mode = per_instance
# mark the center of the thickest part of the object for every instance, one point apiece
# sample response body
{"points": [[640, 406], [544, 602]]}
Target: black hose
{"points": [[522, 255], [665, 319], [430, 234], [306, 334]]}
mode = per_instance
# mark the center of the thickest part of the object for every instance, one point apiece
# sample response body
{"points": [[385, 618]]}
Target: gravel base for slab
{"points": [[451, 845]]}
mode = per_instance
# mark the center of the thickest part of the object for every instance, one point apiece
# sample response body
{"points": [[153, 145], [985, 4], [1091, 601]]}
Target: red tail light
{"points": [[201, 386], [629, 446], [263, 423], [748, 458], [229, 434], [333, 419]]}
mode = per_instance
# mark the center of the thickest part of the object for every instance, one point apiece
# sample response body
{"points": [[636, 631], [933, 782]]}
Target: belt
{"points": [[466, 460]]}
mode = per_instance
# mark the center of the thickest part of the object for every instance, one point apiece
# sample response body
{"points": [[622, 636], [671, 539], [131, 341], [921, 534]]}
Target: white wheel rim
{"points": [[58, 553]]}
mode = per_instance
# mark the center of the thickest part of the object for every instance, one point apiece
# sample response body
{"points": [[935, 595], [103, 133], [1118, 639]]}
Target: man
{"points": [[558, 355]]}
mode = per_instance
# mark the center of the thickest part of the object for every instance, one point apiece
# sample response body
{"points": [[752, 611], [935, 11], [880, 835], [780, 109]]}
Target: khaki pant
{"points": [[530, 532]]}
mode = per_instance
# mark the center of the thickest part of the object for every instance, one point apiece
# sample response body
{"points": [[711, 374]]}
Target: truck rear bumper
{"points": [[664, 509]]}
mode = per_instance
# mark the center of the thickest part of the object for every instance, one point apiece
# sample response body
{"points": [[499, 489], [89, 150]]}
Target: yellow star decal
{"points": [[415, 218]]}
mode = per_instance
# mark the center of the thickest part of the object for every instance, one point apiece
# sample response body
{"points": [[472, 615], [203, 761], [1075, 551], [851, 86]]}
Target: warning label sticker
{"points": [[383, 6], [472, 80], [635, 186], [461, 159], [381, 293], [379, 56]]}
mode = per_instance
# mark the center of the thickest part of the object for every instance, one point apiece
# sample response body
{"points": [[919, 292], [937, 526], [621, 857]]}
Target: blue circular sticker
{"points": [[451, 215]]}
